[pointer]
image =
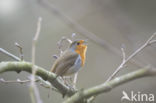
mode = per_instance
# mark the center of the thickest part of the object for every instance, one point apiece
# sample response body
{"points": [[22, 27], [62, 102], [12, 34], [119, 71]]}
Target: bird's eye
{"points": [[78, 43]]}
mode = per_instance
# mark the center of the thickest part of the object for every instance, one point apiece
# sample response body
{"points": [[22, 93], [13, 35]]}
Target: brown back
{"points": [[63, 63]]}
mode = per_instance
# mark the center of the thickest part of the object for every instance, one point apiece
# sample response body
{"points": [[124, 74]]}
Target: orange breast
{"points": [[81, 50]]}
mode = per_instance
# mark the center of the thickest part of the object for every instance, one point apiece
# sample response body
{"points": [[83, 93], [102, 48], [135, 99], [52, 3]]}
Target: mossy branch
{"points": [[105, 87], [82, 94], [46, 75]]}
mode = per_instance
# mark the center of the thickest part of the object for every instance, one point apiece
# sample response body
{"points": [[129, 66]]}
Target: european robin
{"points": [[71, 60]]}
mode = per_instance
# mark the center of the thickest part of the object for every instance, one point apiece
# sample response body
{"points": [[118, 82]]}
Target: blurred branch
{"points": [[9, 54], [43, 83], [82, 31], [33, 89], [60, 44], [43, 73], [15, 81], [20, 50], [76, 26], [105, 87], [125, 60], [46, 75]]}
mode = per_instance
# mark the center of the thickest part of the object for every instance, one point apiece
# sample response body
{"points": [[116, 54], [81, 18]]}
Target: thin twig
{"points": [[21, 50], [123, 54], [34, 92], [14, 81], [17, 81], [34, 42], [152, 41], [60, 42], [9, 54], [42, 83], [41, 72], [49, 76], [47, 84], [105, 87], [73, 35], [82, 31], [76, 26], [91, 99], [124, 61]]}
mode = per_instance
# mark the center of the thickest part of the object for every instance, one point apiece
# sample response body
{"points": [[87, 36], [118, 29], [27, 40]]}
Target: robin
{"points": [[71, 60]]}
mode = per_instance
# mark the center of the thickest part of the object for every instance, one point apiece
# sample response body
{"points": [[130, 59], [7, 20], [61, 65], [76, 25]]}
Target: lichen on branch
{"points": [[43, 73], [105, 87], [81, 94]]}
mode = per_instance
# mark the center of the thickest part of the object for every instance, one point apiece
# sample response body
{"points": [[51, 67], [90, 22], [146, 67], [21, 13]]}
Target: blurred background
{"points": [[107, 24]]}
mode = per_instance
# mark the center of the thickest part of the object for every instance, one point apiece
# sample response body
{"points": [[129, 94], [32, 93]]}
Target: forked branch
{"points": [[125, 60]]}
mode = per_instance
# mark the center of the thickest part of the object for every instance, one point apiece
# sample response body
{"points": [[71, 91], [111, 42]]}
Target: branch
{"points": [[125, 60], [15, 81], [43, 83], [34, 92], [76, 26], [60, 42], [81, 30], [105, 87], [9, 54], [43, 73], [46, 75], [20, 50]]}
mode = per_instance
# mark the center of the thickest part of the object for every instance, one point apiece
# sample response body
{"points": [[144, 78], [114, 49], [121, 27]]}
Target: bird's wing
{"points": [[63, 63]]}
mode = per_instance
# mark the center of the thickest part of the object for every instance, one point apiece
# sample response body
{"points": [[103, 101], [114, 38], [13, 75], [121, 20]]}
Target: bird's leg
{"points": [[71, 79], [65, 80], [75, 80]]}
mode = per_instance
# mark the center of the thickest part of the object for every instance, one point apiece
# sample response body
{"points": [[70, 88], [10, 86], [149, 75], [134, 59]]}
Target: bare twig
{"points": [[47, 84], [105, 87], [21, 51], [124, 61], [73, 35], [123, 54], [42, 72], [46, 75], [59, 43], [34, 93], [152, 41], [76, 26], [15, 81], [43, 83], [91, 99], [34, 43], [9, 54], [55, 56], [82, 31]]}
